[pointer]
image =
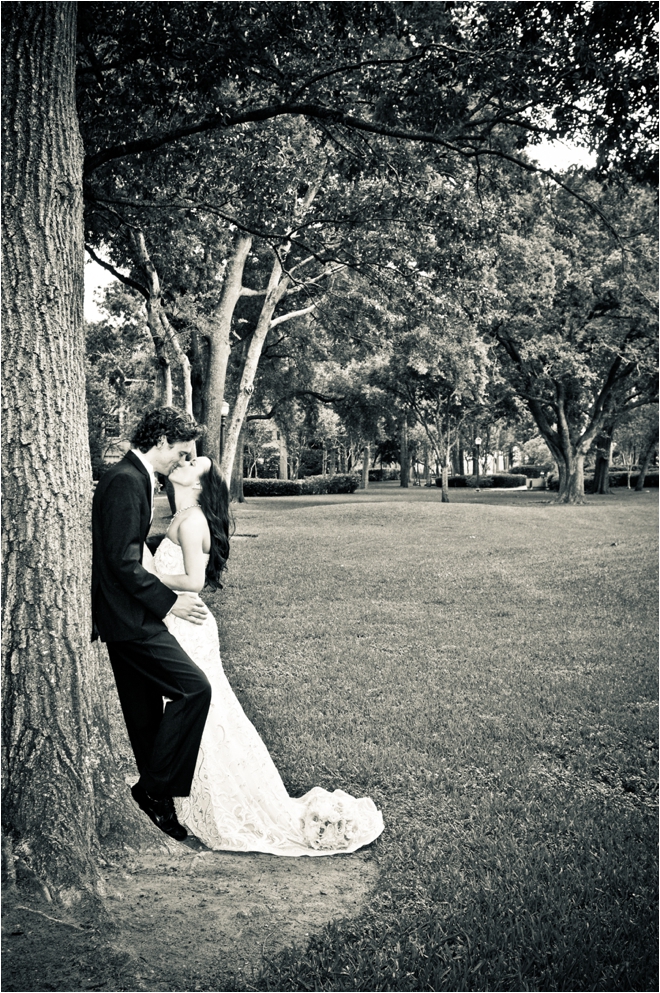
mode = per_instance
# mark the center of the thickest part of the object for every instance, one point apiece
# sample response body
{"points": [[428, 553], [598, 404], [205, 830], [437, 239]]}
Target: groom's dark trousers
{"points": [[128, 607]]}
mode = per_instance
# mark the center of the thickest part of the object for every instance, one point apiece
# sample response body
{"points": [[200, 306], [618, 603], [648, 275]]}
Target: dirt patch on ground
{"points": [[181, 919]]}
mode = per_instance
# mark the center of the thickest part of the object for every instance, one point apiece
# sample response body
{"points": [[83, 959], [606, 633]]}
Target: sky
{"points": [[556, 155]]}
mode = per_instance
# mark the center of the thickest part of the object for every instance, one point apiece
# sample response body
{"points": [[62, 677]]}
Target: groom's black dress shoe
{"points": [[161, 812]]}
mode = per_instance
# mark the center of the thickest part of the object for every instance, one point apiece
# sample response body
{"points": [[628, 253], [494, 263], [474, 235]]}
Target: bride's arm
{"points": [[191, 536]]}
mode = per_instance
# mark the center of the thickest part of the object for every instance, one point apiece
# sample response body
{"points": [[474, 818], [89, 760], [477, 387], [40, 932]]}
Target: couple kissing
{"points": [[203, 767]]}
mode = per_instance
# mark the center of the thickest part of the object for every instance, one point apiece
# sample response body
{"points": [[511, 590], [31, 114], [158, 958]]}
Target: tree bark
{"points": [[365, 467], [445, 484], [571, 478], [404, 454], [220, 348], [277, 287], [236, 493], [164, 393], [55, 736], [427, 466], [603, 446], [646, 461], [284, 456]]}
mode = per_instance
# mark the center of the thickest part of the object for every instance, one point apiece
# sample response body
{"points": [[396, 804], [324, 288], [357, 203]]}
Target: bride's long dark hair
{"points": [[214, 502]]}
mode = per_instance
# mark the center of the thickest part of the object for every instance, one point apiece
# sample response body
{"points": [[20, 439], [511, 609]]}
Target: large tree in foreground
{"points": [[59, 788], [48, 801]]}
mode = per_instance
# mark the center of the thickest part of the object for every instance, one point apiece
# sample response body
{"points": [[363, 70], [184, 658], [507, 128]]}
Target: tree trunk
{"points": [[163, 390], [55, 738], [427, 466], [571, 479], [236, 493], [159, 324], [365, 467], [198, 374], [404, 454], [284, 456], [219, 346], [646, 461], [232, 290], [277, 287], [603, 445], [445, 484]]}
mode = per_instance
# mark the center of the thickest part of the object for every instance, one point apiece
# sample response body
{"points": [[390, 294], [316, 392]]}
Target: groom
{"points": [[128, 607]]}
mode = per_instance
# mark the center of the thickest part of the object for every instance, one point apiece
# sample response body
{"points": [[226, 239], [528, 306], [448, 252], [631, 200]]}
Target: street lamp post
{"points": [[477, 445], [223, 413]]}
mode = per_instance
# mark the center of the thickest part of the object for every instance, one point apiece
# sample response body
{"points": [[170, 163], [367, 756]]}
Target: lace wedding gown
{"points": [[238, 801]]}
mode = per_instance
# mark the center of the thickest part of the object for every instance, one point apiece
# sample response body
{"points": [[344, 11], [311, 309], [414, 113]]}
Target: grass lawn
{"points": [[486, 670]]}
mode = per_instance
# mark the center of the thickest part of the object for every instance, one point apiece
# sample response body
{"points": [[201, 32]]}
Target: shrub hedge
{"points": [[500, 480], [620, 478], [379, 475], [617, 478], [531, 471], [300, 487], [509, 480], [454, 481]]}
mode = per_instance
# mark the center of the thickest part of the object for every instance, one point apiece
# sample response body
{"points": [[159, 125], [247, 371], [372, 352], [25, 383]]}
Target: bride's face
{"points": [[190, 473]]}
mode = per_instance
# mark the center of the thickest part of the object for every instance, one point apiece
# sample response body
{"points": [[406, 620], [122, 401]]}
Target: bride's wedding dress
{"points": [[238, 801]]}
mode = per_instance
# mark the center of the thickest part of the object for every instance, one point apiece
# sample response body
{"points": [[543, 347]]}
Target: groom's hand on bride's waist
{"points": [[190, 607]]}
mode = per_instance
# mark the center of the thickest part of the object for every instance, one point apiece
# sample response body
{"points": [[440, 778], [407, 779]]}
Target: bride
{"points": [[238, 801]]}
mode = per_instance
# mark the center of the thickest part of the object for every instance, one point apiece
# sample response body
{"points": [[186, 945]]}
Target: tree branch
{"points": [[116, 273], [291, 315], [321, 397]]}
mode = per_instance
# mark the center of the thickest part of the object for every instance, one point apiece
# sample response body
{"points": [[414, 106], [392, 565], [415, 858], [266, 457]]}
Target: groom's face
{"points": [[167, 457]]}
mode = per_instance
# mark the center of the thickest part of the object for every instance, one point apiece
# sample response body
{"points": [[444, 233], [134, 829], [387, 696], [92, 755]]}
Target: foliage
{"points": [[381, 475], [261, 452], [573, 323], [150, 74], [237, 150], [632, 435], [120, 374], [484, 482], [535, 452], [606, 51]]}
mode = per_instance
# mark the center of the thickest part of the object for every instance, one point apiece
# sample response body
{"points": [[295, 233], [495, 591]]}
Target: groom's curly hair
{"points": [[174, 424]]}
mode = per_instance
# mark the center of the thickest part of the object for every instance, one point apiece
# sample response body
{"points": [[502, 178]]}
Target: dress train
{"points": [[238, 801]]}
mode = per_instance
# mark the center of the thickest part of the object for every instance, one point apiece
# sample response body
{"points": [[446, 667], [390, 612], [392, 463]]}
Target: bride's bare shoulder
{"points": [[193, 527]]}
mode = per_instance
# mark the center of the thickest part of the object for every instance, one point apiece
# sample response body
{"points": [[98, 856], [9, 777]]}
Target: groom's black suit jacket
{"points": [[128, 603]]}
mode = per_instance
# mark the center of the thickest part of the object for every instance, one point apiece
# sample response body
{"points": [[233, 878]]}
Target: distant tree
{"points": [[650, 450], [574, 319], [634, 439]]}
